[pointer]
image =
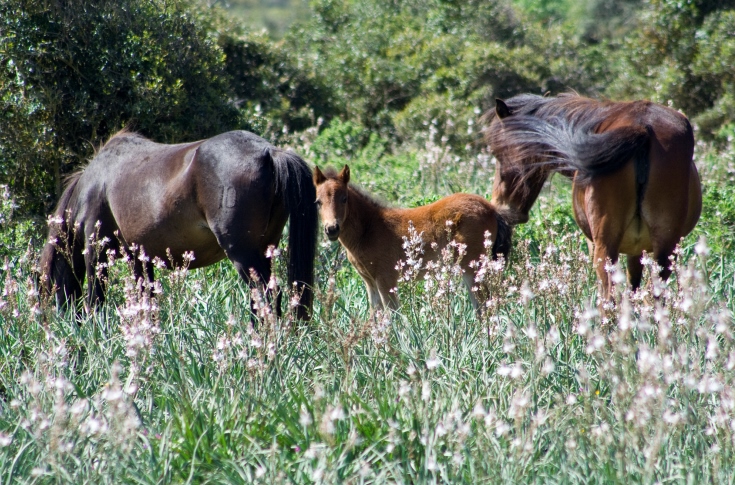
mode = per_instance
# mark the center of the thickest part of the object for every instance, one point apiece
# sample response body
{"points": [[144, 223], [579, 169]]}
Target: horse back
{"points": [[461, 217], [138, 184]]}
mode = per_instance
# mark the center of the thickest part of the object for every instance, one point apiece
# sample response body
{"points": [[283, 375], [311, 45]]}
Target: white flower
{"points": [[618, 276], [526, 293], [479, 411], [548, 367], [701, 247], [337, 413], [709, 384], [501, 428], [404, 389], [433, 361], [425, 391]]}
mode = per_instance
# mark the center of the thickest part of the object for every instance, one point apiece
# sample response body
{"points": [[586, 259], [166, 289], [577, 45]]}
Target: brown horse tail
{"points": [[294, 184], [502, 244], [61, 259], [597, 154]]}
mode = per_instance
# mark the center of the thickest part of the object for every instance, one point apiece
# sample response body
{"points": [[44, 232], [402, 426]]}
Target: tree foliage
{"points": [[398, 65], [275, 94], [73, 73], [682, 55]]}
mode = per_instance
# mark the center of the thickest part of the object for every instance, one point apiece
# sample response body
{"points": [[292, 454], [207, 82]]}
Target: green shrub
{"points": [[275, 92], [73, 73]]}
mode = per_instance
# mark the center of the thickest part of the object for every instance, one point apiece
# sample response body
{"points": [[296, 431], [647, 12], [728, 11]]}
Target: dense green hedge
{"points": [[683, 54]]}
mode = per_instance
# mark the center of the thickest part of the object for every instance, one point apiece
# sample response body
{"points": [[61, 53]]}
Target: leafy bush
{"points": [[73, 73], [682, 55], [275, 93], [397, 66]]}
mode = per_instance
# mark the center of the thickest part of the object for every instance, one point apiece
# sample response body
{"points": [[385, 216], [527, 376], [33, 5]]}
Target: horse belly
{"points": [[179, 237], [173, 232], [636, 238]]}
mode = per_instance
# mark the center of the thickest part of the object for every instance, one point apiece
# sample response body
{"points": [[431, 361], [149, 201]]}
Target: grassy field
{"points": [[182, 388]]}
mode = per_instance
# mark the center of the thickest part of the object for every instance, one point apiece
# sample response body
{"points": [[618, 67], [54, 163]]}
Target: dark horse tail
{"points": [[573, 145], [61, 259], [596, 154], [503, 242], [294, 184]]}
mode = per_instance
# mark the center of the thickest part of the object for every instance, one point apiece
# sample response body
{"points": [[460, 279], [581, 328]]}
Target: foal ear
{"points": [[319, 177], [344, 175], [501, 109]]}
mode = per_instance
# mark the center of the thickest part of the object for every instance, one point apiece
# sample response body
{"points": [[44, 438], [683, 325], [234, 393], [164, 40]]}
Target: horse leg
{"points": [[635, 270], [590, 249], [68, 276], [469, 280], [661, 255], [143, 273], [388, 297], [375, 302], [95, 262], [602, 254], [96, 268], [254, 268]]}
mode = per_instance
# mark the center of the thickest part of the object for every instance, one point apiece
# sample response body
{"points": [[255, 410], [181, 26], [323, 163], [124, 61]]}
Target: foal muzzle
{"points": [[332, 231]]}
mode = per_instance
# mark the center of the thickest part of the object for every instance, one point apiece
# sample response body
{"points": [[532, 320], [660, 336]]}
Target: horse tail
{"points": [[60, 259], [502, 244], [597, 154], [296, 188], [572, 145]]}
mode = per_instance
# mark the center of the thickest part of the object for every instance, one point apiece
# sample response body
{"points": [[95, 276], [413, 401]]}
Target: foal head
{"points": [[331, 199]]}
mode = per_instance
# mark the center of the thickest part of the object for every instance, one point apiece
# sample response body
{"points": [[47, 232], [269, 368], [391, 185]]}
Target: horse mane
{"points": [[540, 130], [124, 132], [559, 134]]}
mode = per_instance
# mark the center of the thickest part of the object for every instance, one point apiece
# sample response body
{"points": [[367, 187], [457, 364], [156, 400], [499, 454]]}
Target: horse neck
{"points": [[536, 181], [363, 216]]}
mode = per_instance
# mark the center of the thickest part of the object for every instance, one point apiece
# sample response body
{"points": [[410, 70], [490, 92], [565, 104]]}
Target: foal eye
{"points": [[344, 199], [318, 203]]}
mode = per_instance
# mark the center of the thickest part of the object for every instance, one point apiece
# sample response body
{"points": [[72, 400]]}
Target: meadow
{"points": [[541, 388]]}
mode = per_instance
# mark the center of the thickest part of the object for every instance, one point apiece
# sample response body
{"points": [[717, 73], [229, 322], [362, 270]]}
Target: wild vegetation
{"points": [[181, 386]]}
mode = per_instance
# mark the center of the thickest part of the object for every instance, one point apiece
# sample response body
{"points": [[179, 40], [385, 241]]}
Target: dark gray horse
{"points": [[227, 196]]}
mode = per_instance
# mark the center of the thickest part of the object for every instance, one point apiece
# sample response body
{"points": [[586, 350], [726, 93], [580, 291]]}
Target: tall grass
{"points": [[541, 387]]}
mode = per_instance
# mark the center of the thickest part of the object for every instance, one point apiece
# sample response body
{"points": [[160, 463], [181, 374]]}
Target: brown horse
{"points": [[227, 196], [373, 234], [635, 186]]}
